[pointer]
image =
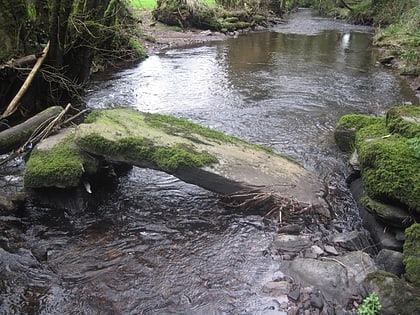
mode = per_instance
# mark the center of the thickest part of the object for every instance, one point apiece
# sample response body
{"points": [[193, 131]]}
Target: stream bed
{"points": [[156, 245]]}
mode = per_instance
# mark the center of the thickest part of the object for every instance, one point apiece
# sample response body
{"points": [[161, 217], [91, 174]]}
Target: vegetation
{"points": [[371, 305], [411, 253], [388, 154], [225, 16], [83, 35]]}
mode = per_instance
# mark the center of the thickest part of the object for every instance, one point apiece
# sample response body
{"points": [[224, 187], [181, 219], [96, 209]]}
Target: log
{"points": [[26, 61], [16, 136], [14, 104]]}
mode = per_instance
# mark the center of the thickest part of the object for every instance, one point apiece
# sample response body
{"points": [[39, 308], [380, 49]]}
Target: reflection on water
{"points": [[160, 246]]}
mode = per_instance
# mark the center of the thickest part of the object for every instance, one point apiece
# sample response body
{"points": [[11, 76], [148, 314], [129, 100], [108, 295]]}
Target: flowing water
{"points": [[156, 245]]}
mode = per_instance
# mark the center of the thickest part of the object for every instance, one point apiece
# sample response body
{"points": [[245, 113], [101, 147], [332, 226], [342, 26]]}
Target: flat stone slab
{"points": [[193, 153]]}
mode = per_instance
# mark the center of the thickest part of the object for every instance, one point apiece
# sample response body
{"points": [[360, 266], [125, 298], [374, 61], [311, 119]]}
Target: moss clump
{"points": [[143, 152], [404, 120], [347, 126], [389, 171], [412, 253], [60, 166]]}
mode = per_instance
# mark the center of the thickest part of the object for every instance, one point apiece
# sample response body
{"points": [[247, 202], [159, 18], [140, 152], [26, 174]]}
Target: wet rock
{"points": [[294, 229], [291, 243], [354, 162], [317, 301], [313, 252], [353, 241], [383, 235], [6, 203], [395, 295], [390, 261], [391, 215], [294, 294], [276, 288], [330, 250], [337, 278]]}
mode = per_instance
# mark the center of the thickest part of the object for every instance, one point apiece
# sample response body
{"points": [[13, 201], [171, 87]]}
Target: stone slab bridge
{"points": [[193, 153]]}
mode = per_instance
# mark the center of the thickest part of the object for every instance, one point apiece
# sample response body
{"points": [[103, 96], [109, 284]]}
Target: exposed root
{"points": [[285, 210]]}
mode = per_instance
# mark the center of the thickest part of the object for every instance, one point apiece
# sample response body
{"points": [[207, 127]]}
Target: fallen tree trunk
{"points": [[16, 136]]}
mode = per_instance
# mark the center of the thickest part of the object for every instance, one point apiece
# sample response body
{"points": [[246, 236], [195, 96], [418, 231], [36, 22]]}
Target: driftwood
{"points": [[16, 136], [14, 104]]}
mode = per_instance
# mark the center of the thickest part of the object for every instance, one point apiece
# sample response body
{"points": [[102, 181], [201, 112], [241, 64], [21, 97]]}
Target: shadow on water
{"points": [[156, 245]]}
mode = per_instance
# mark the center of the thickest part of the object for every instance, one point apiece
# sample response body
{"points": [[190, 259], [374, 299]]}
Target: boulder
{"points": [[395, 295], [337, 278], [389, 214], [390, 261]]}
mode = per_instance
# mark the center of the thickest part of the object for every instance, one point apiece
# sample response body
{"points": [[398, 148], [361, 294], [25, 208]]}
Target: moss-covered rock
{"points": [[391, 215], [404, 120], [388, 154], [395, 295], [412, 253], [195, 154], [388, 170], [345, 131], [60, 166]]}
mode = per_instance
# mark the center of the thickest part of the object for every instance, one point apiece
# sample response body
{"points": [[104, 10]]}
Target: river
{"points": [[156, 245]]}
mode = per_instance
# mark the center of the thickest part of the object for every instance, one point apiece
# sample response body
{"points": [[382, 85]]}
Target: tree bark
{"points": [[16, 136]]}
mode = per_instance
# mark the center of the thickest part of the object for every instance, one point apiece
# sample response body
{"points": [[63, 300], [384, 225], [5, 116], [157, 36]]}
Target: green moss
{"points": [[59, 167], [170, 159], [375, 130], [137, 48], [347, 126], [389, 169], [183, 127], [404, 120], [412, 253], [186, 128], [144, 152], [92, 117], [356, 121]]}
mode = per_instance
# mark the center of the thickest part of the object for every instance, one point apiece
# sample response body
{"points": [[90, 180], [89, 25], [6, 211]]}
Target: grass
{"points": [[143, 4], [151, 4]]}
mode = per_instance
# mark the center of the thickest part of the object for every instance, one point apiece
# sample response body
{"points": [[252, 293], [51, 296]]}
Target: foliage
{"points": [[370, 306], [403, 37], [411, 252]]}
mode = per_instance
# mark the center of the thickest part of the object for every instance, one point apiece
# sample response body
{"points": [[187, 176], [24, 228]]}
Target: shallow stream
{"points": [[156, 245]]}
